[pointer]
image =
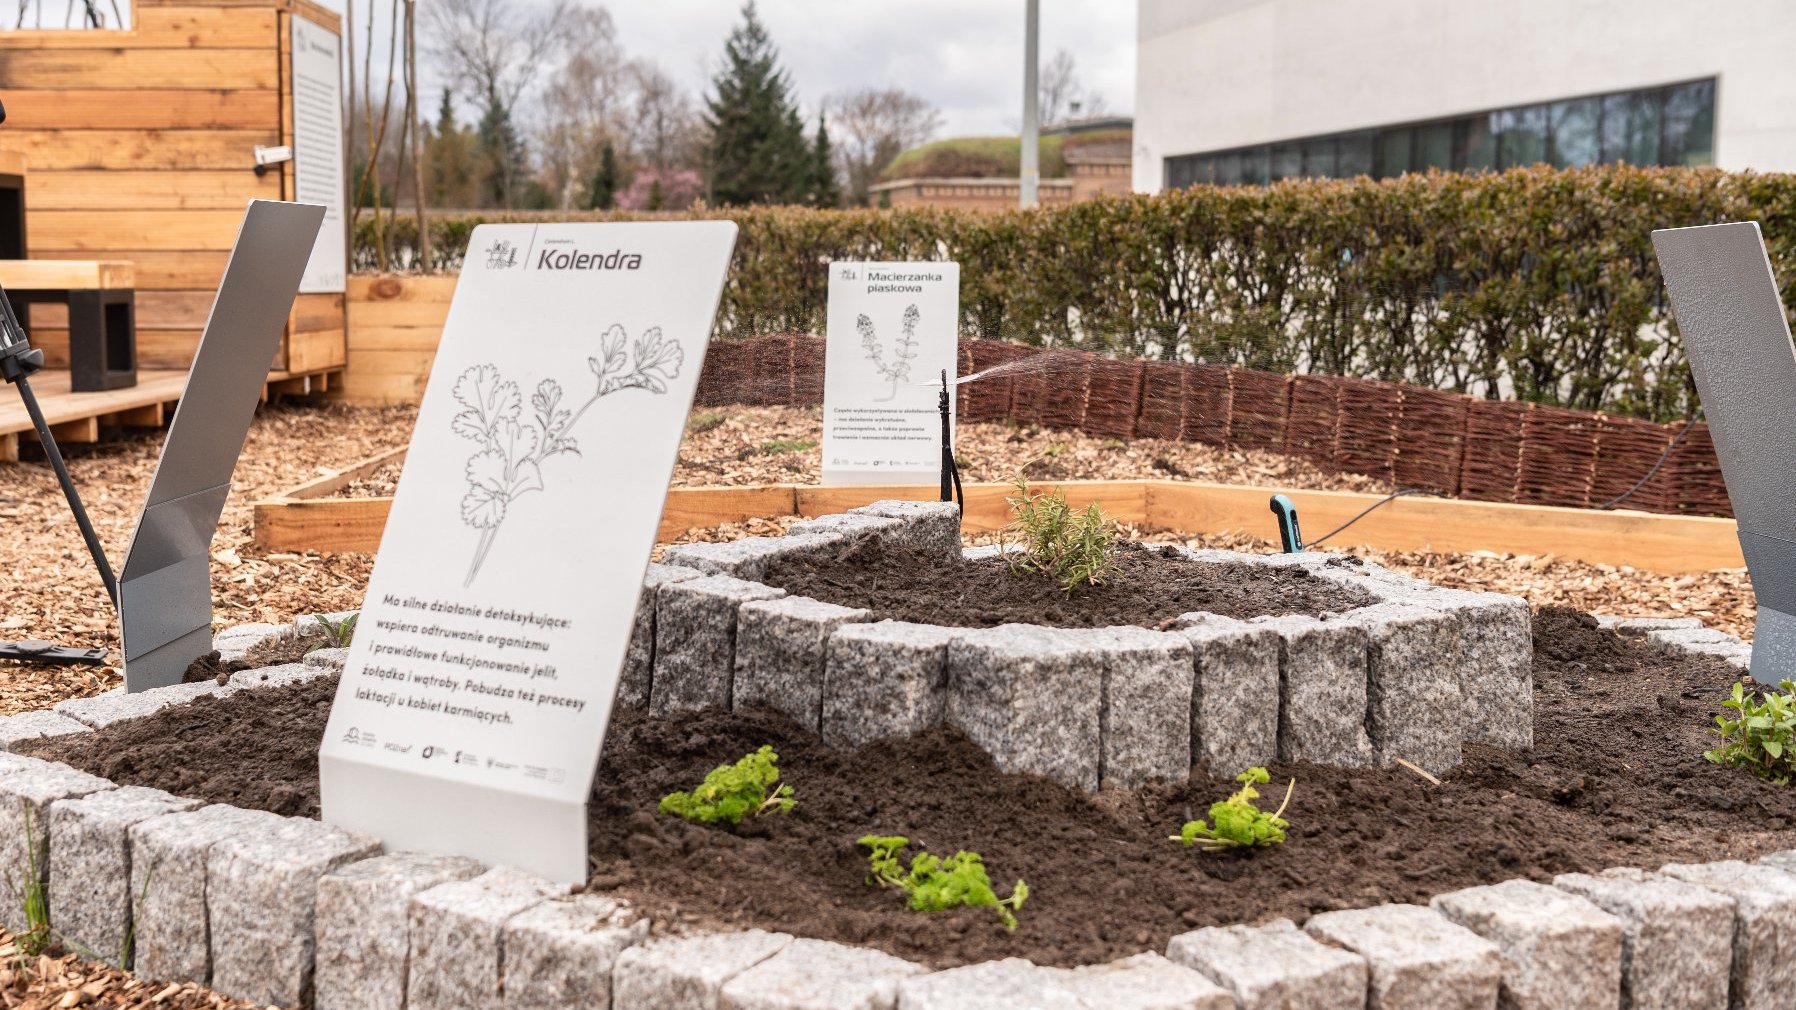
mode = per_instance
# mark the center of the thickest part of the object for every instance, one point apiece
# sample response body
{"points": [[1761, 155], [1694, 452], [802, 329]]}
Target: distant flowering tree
{"points": [[679, 188]]}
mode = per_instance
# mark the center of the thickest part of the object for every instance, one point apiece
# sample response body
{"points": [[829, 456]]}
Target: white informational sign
{"points": [[318, 150], [893, 328], [477, 692]]}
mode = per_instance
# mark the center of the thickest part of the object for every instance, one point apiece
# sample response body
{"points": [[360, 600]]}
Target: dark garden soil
{"points": [[1149, 585], [268, 652], [1616, 777]]}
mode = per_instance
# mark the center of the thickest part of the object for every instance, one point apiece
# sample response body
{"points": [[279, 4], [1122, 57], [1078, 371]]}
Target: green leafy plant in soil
{"points": [[935, 884], [1759, 733], [781, 446], [1072, 547], [733, 792], [334, 634], [1236, 823]]}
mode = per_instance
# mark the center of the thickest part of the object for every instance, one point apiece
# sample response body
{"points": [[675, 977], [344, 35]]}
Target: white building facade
{"points": [[1250, 91]]}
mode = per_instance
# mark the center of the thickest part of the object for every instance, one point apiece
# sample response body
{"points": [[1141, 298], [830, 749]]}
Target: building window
{"points": [[1673, 125]]}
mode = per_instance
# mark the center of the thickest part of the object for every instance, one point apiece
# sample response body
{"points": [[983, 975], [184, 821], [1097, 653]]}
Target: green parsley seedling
{"points": [[1235, 823], [1760, 735], [935, 884], [733, 792]]}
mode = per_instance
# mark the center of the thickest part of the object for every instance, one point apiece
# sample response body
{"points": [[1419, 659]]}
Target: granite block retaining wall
{"points": [[295, 913], [1411, 673]]}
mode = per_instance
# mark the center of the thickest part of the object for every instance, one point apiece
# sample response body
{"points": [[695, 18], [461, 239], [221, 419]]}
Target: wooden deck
{"points": [[77, 417]]}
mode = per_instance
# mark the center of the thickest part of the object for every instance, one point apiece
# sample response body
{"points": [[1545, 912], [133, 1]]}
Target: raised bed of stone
{"points": [[291, 912]]}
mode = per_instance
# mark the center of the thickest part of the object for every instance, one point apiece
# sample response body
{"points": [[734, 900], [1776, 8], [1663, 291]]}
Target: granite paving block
{"points": [[457, 929], [1028, 695], [1010, 984], [781, 653], [1146, 982], [1763, 971], [307, 624], [1145, 719], [1496, 666], [1676, 940], [1234, 702], [688, 973], [1322, 691], [1642, 625], [561, 953], [639, 657], [169, 854], [1560, 952], [103, 710], [329, 659], [1413, 705], [819, 975], [850, 528], [886, 679], [261, 900], [252, 632], [1675, 640], [1417, 958], [90, 866], [695, 641], [932, 527], [364, 926], [1274, 967], [987, 552], [29, 789], [748, 557], [16, 729], [285, 675]]}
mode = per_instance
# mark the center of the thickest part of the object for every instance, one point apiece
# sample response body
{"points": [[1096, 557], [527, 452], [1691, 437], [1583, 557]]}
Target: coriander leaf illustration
{"points": [[485, 400], [512, 451], [658, 360], [483, 507]]}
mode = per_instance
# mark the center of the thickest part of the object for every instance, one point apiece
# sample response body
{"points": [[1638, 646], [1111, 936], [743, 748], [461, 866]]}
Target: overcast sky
{"points": [[965, 56]]}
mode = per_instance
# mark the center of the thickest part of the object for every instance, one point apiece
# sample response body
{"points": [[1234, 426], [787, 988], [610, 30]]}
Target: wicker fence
{"points": [[1445, 443]]}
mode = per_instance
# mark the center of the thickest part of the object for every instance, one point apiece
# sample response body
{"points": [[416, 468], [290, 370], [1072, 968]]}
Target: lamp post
{"points": [[1030, 180]]}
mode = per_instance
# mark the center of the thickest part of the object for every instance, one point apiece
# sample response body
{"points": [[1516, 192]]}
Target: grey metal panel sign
{"points": [[165, 589], [1731, 317]]}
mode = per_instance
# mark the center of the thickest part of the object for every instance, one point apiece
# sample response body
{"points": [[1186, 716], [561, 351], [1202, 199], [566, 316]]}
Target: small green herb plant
{"points": [[935, 884], [1048, 537], [1759, 733], [334, 634], [733, 792], [782, 446], [1235, 823]]}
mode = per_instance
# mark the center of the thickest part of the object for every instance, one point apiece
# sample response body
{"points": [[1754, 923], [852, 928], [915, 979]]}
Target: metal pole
{"points": [[48, 441], [1031, 160]]}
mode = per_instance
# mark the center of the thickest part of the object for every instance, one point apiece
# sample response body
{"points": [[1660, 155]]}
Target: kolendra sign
{"points": [[474, 704], [893, 328]]}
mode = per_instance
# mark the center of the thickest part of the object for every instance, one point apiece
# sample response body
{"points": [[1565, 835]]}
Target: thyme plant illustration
{"points": [[513, 449], [902, 354]]}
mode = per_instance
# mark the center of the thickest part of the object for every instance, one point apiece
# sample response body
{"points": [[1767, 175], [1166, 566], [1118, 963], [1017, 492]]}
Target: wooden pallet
{"points": [[78, 417], [304, 519]]}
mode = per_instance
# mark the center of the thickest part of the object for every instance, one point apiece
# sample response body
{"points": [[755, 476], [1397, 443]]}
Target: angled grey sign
{"points": [[1735, 333], [165, 587]]}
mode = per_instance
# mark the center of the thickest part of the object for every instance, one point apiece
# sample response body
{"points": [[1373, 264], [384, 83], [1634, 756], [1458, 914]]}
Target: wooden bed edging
{"points": [[300, 519]]}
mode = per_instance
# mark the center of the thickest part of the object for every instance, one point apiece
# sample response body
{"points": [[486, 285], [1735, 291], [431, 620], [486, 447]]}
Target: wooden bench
{"points": [[102, 315]]}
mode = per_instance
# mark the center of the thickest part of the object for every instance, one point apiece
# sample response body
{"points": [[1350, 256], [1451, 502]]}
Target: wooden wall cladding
{"points": [[140, 145]]}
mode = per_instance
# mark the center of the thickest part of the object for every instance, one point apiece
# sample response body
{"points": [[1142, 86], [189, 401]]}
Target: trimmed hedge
{"points": [[1533, 284]]}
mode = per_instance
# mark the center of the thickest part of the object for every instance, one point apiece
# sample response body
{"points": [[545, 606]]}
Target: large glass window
{"points": [[1672, 125]]}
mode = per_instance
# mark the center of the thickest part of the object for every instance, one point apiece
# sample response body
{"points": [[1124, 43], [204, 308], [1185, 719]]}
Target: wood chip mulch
{"points": [[47, 982]]}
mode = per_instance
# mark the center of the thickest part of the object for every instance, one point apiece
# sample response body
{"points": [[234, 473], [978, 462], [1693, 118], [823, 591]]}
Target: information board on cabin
{"points": [[892, 330], [317, 91], [474, 702]]}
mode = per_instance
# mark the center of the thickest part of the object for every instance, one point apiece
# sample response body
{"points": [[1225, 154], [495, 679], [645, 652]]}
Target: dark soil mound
{"points": [[1149, 586], [1616, 778], [268, 652]]}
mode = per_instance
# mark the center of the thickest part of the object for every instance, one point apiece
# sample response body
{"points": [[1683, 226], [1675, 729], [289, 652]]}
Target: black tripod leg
{"points": [[68, 489]]}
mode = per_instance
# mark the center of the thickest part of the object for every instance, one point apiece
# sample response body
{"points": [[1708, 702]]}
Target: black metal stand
{"points": [[18, 360], [951, 488]]}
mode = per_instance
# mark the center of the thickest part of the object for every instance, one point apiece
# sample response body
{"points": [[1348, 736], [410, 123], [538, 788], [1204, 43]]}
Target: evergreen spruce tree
{"points": [[757, 151], [507, 167], [657, 198], [450, 160], [825, 190], [604, 180]]}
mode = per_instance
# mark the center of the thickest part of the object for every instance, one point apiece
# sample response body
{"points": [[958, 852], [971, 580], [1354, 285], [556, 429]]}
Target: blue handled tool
{"points": [[1286, 511]]}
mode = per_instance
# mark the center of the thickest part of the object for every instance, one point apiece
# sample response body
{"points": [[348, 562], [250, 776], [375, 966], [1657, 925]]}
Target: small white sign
{"points": [[317, 150], [893, 329], [474, 703]]}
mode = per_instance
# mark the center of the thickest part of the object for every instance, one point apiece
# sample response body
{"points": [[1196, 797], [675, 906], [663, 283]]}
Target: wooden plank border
{"points": [[301, 520]]}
